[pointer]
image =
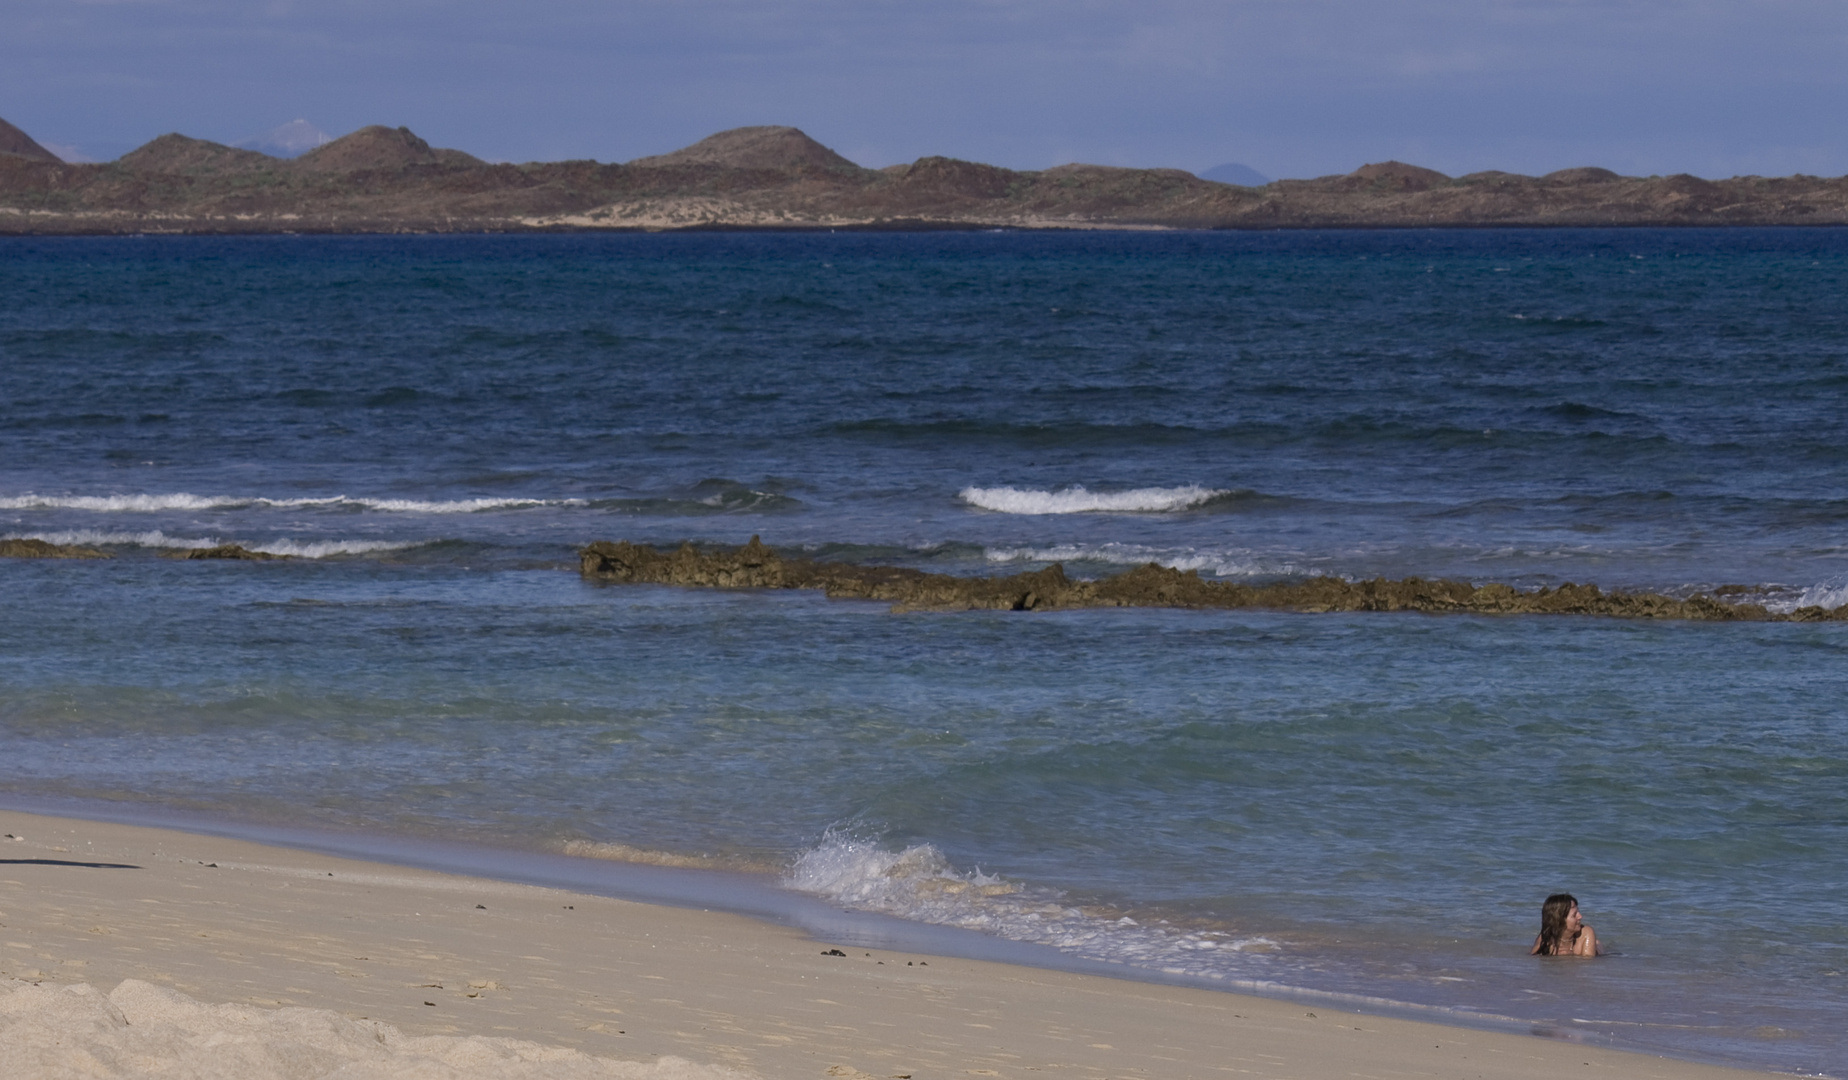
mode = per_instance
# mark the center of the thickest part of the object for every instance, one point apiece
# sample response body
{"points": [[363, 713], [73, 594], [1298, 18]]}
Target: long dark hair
{"points": [[1553, 922]]}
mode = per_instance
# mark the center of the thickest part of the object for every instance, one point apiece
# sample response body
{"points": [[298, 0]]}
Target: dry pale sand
{"points": [[285, 947]]}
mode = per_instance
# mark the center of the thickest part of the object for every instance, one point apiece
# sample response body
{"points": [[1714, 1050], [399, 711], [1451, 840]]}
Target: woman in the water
{"points": [[1563, 931]]}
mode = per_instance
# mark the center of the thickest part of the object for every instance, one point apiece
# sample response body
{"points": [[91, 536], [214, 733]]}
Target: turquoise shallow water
{"points": [[1362, 805]]}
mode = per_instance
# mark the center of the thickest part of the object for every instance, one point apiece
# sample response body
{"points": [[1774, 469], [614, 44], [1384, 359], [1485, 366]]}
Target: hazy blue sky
{"points": [[1289, 87]]}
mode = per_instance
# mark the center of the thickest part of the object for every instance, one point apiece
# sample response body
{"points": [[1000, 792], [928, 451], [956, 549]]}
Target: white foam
{"points": [[301, 549], [1828, 595], [739, 500], [918, 883], [1078, 500], [456, 506], [130, 503], [153, 538], [154, 503], [321, 549], [1230, 563]]}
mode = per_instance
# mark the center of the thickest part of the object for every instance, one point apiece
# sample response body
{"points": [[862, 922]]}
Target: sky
{"points": [[1291, 88]]}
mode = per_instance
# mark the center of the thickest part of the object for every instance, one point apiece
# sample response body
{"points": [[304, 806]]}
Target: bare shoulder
{"points": [[1587, 944]]}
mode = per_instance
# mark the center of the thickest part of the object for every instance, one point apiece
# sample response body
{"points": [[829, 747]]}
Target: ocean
{"points": [[1361, 809]]}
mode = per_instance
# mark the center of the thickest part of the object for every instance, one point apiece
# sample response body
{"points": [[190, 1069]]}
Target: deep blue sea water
{"points": [[1367, 805]]}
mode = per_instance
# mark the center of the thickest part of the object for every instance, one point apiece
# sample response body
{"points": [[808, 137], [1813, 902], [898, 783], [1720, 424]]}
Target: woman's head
{"points": [[1558, 920]]}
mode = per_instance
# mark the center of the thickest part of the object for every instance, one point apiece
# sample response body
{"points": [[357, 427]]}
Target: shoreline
{"points": [[151, 230], [272, 925], [773, 177]]}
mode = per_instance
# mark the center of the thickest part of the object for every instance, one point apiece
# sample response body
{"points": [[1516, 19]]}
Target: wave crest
{"points": [[920, 884], [154, 538], [1080, 500], [1827, 595], [1216, 563], [156, 503]]}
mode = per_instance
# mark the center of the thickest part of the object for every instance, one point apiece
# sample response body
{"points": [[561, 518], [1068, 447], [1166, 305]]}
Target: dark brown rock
{"points": [[752, 566], [756, 566], [40, 549], [226, 551]]}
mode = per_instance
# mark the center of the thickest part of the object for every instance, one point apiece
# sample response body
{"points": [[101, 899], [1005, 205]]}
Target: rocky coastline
{"points": [[388, 180]]}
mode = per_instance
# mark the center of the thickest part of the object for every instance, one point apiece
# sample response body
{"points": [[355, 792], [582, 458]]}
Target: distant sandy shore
{"points": [[588, 979]]}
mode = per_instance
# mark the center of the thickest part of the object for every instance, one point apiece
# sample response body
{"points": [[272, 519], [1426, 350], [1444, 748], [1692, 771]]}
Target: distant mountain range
{"points": [[381, 179]]}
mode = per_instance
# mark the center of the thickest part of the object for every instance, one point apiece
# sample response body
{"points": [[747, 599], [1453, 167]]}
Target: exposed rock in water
{"points": [[40, 549], [226, 551], [756, 566]]}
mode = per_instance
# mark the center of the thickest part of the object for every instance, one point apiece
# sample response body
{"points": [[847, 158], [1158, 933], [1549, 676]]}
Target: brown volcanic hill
{"points": [[1580, 175], [784, 149], [950, 177], [15, 141], [1112, 189], [175, 153], [384, 180], [378, 147], [1395, 176]]}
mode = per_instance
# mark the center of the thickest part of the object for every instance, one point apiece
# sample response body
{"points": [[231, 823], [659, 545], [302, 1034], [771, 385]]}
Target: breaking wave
{"points": [[1215, 563], [1829, 595], [920, 884], [1079, 500], [154, 538], [185, 501], [725, 499]]}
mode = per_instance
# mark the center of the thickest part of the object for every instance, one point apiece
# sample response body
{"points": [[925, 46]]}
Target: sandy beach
{"points": [[462, 976]]}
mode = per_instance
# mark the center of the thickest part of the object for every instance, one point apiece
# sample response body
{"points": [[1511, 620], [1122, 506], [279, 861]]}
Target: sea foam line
{"points": [[918, 883], [154, 538], [154, 503], [1079, 500], [1829, 595], [1216, 563]]}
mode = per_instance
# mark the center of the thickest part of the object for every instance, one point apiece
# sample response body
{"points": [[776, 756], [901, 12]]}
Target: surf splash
{"points": [[920, 884], [158, 503], [154, 538], [1079, 500], [1829, 594], [1230, 563]]}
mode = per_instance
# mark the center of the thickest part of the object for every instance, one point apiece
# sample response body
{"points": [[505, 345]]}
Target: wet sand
{"points": [[431, 954]]}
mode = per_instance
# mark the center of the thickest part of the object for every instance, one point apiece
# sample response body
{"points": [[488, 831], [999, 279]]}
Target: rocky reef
{"points": [[225, 551], [756, 566], [41, 549]]}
